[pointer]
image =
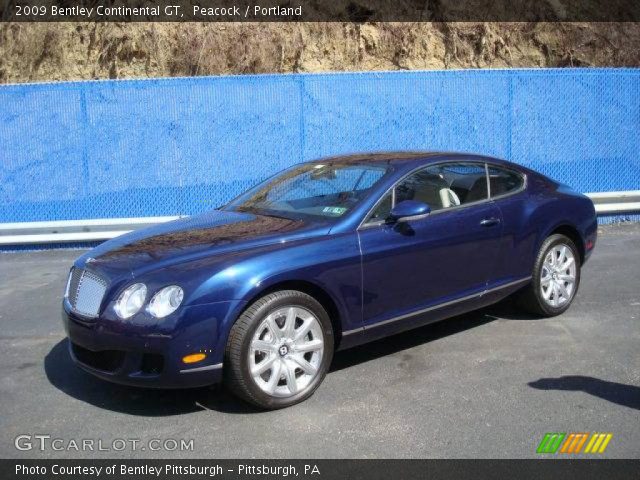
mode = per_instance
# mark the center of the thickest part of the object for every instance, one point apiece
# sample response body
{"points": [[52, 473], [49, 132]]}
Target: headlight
{"points": [[131, 300], [166, 301]]}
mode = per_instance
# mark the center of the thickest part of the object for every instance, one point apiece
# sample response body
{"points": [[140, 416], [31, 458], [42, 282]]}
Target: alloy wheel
{"points": [[286, 351], [558, 276]]}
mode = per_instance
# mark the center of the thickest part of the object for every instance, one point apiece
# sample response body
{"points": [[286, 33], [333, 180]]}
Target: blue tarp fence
{"points": [[130, 148]]}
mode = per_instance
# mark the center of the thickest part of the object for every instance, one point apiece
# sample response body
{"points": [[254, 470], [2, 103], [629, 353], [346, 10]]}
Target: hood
{"points": [[211, 233]]}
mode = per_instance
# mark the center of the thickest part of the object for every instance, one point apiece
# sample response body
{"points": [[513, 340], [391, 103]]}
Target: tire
{"points": [[545, 300], [261, 338]]}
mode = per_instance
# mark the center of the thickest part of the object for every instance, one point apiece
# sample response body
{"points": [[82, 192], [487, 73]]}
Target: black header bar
{"points": [[320, 10], [584, 469]]}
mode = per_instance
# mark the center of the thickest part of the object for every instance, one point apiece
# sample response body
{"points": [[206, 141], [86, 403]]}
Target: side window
{"points": [[427, 186], [440, 186], [381, 212], [445, 185], [467, 182], [503, 181]]}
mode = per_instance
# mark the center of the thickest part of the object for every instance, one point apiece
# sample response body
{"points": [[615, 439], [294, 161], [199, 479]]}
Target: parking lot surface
{"points": [[487, 384]]}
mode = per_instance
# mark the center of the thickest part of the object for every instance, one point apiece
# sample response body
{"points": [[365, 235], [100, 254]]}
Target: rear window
{"points": [[503, 181]]}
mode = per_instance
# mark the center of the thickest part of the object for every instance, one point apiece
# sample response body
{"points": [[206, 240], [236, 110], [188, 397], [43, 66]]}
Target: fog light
{"points": [[194, 357]]}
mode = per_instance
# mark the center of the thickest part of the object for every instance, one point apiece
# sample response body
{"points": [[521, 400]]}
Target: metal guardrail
{"points": [[67, 231], [616, 202]]}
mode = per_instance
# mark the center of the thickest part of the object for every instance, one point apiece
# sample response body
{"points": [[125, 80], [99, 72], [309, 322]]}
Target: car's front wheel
{"points": [[279, 350], [555, 279]]}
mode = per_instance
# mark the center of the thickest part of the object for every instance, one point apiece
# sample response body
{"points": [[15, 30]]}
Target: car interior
{"points": [[450, 185], [444, 186]]}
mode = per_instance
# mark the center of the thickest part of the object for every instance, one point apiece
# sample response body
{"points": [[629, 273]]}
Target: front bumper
{"points": [[150, 355]]}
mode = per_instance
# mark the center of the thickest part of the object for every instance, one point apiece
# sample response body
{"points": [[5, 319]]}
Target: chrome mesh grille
{"points": [[85, 291]]}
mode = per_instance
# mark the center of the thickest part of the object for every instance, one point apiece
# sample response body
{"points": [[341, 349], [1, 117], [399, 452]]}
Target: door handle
{"points": [[490, 222]]}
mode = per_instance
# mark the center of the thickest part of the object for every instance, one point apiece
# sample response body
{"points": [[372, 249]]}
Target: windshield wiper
{"points": [[275, 215], [265, 213]]}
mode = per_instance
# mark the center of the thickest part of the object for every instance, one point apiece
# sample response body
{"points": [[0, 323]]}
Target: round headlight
{"points": [[131, 300], [166, 301]]}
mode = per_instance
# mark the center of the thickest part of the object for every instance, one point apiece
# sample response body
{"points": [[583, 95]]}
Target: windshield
{"points": [[320, 190]]}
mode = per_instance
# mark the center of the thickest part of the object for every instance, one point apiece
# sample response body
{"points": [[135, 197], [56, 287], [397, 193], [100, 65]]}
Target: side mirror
{"points": [[409, 210]]}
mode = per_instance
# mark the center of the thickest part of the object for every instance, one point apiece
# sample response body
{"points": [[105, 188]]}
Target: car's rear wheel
{"points": [[555, 279], [279, 350]]}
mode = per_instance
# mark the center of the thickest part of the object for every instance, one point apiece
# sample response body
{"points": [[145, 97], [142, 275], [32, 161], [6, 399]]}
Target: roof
{"points": [[393, 157]]}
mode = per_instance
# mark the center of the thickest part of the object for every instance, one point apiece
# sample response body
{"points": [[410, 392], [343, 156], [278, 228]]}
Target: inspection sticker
{"points": [[337, 211]]}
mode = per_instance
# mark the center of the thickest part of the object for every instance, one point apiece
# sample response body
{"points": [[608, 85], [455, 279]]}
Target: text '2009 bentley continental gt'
{"points": [[326, 255]]}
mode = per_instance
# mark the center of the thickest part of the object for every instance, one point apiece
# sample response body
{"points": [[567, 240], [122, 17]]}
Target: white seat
{"points": [[449, 198]]}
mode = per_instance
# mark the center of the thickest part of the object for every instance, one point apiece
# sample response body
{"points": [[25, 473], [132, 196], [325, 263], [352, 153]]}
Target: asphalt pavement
{"points": [[488, 384]]}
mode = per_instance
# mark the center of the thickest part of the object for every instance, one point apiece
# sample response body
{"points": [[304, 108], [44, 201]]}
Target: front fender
{"points": [[331, 264]]}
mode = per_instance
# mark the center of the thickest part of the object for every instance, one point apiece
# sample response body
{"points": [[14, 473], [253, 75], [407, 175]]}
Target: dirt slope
{"points": [[68, 51]]}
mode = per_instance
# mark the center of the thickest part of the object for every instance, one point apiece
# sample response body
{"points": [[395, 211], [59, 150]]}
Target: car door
{"points": [[446, 256], [507, 189]]}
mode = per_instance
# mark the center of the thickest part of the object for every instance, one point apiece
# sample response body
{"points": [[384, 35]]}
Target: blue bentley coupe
{"points": [[323, 256]]}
